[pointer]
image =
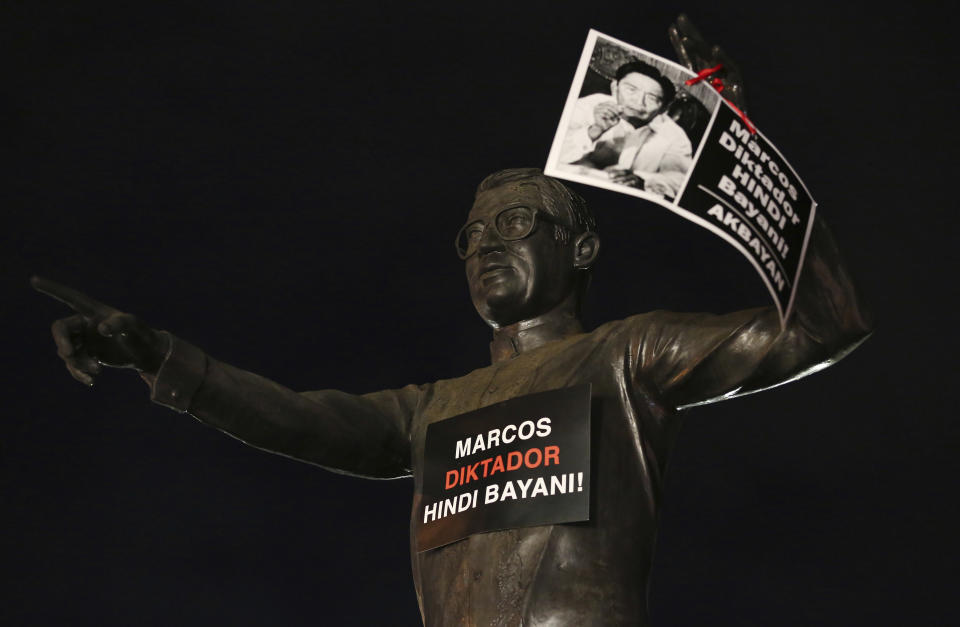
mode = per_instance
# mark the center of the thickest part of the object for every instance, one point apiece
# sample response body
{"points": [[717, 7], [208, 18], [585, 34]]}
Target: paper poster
{"points": [[632, 125]]}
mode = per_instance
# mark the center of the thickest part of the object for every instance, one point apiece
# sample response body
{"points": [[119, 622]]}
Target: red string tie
{"points": [[716, 82]]}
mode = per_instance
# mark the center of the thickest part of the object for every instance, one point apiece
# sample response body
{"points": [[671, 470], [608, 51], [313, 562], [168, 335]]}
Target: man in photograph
{"points": [[628, 134]]}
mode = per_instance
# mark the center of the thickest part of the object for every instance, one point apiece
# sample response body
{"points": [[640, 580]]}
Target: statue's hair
{"points": [[557, 198]]}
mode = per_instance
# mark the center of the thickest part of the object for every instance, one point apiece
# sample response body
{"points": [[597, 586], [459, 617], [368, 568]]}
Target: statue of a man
{"points": [[528, 246]]}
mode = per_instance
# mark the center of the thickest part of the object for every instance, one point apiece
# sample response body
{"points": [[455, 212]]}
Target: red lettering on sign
{"points": [[514, 460], [551, 452], [526, 458], [471, 473], [486, 463]]}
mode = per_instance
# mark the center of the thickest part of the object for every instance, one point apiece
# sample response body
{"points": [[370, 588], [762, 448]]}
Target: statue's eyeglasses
{"points": [[510, 224]]}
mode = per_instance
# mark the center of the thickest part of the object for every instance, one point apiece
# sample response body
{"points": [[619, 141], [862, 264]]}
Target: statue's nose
{"points": [[489, 241]]}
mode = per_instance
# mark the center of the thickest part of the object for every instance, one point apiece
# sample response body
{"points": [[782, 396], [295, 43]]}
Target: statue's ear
{"points": [[586, 249]]}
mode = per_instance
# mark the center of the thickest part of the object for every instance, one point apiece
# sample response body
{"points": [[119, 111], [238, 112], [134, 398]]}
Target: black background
{"points": [[280, 182]]}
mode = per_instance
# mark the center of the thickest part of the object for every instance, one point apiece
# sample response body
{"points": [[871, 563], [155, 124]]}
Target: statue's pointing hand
{"points": [[99, 335], [697, 55]]}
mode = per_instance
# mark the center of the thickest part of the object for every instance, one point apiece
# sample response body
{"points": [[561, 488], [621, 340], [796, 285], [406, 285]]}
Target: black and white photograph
{"points": [[641, 125], [631, 123]]}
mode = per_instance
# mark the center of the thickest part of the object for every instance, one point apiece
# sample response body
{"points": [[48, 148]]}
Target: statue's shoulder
{"points": [[642, 321], [659, 326], [664, 327]]}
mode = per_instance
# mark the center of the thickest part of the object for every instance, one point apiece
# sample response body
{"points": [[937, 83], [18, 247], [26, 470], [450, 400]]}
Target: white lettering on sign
{"points": [[495, 437]]}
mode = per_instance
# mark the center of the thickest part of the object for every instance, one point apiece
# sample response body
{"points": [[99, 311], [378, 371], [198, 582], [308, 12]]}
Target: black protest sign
{"points": [[660, 133], [749, 195], [522, 462]]}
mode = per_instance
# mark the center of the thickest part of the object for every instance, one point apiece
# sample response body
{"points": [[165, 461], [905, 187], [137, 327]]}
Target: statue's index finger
{"points": [[688, 43], [78, 301], [679, 45]]}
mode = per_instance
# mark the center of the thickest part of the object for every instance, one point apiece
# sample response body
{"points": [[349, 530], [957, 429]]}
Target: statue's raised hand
{"points": [[697, 55], [99, 335]]}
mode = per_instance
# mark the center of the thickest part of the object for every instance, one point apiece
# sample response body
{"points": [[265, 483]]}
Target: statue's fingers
{"points": [[78, 301], [118, 324], [686, 27], [137, 344], [143, 347], [66, 335], [690, 32], [79, 375], [732, 78], [731, 68], [676, 40], [86, 363], [695, 50], [83, 369]]}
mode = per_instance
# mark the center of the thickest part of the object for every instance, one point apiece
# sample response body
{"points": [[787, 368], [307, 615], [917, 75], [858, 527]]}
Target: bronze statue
{"points": [[528, 245]]}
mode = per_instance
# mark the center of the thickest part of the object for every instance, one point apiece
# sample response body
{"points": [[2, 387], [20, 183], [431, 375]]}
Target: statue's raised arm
{"points": [[711, 358]]}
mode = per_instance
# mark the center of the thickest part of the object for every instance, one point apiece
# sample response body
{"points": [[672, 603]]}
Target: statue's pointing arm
{"points": [[364, 435]]}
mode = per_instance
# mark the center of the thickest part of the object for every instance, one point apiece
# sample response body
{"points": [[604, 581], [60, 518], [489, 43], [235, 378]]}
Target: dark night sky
{"points": [[280, 183]]}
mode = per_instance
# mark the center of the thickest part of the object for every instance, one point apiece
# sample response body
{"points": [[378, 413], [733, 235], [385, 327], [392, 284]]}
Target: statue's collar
{"points": [[510, 341]]}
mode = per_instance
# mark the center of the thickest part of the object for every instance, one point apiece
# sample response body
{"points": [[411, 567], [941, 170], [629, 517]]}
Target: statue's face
{"points": [[521, 279], [640, 96]]}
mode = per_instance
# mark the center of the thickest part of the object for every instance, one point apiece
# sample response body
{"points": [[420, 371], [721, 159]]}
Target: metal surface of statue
{"points": [[528, 246]]}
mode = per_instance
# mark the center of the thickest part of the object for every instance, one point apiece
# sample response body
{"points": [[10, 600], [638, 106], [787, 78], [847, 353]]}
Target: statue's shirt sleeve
{"points": [[366, 435], [692, 359]]}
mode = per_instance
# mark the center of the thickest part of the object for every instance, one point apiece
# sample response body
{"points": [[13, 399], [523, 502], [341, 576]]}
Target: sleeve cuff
{"points": [[180, 375]]}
